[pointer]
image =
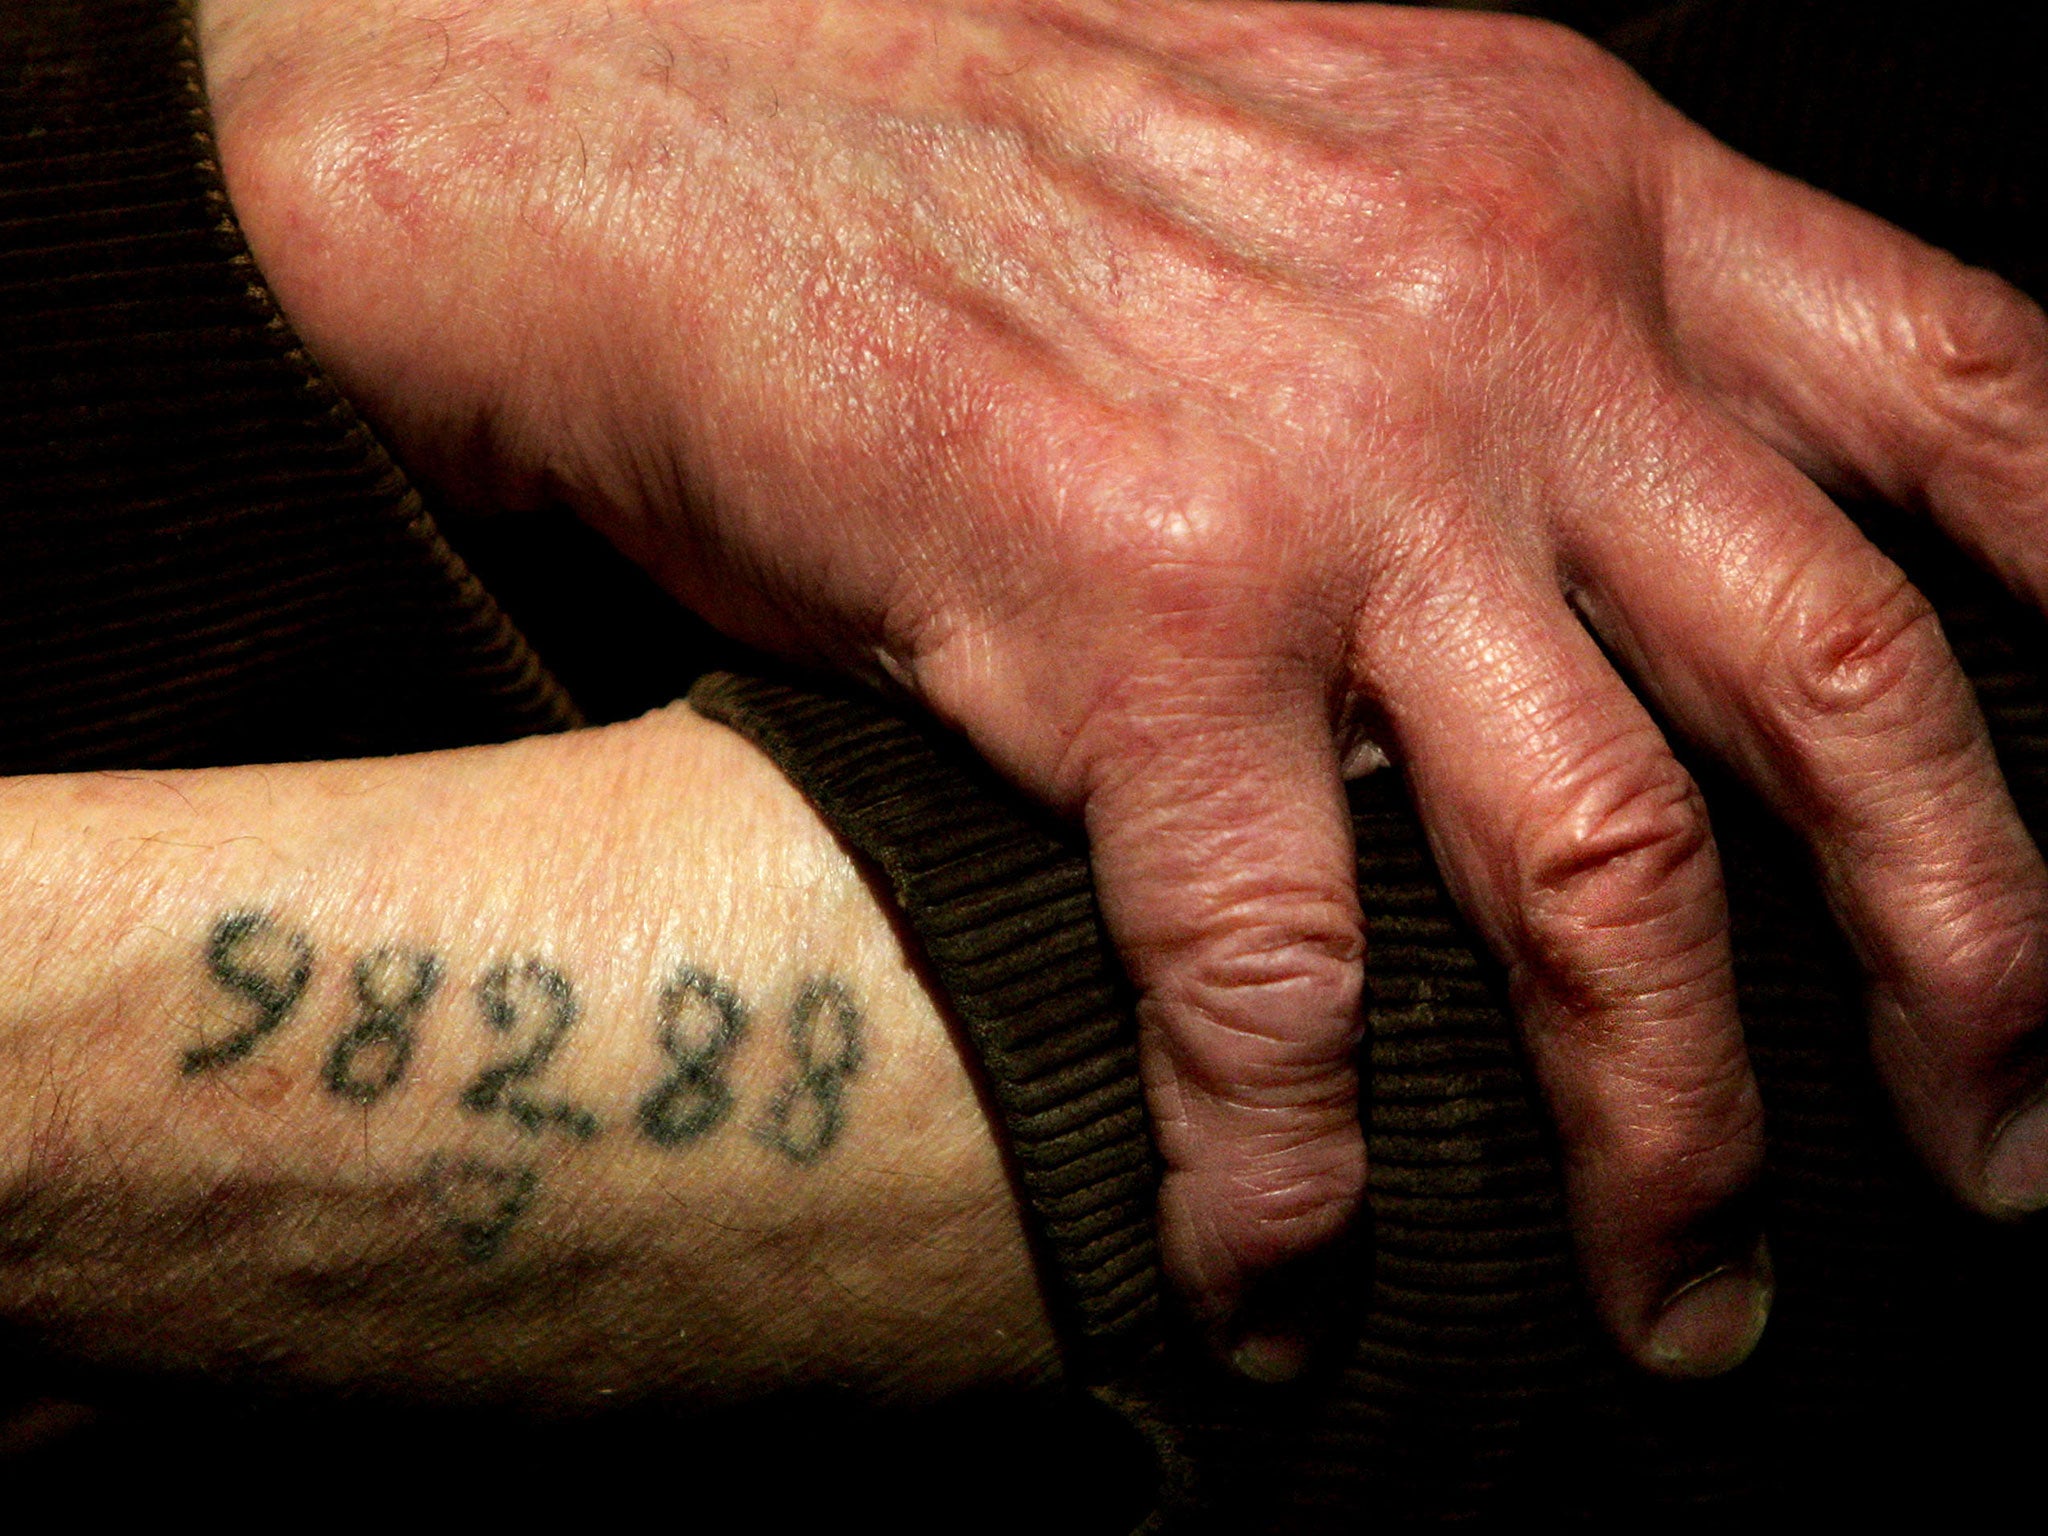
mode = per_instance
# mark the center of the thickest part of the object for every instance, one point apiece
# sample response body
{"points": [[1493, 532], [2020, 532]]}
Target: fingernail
{"points": [[1290, 1318], [1271, 1359], [1712, 1323], [2016, 1172]]}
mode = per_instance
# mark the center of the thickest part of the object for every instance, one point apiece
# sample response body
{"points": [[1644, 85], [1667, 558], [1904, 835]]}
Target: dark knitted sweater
{"points": [[206, 557]]}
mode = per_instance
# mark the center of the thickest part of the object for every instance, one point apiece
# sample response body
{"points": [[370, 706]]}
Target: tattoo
{"points": [[806, 1115], [479, 1201], [701, 1021], [499, 1087], [250, 955], [694, 1099], [393, 985]]}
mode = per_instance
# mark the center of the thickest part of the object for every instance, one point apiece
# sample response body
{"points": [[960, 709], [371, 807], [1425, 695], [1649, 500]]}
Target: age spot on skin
{"points": [[265, 1086]]}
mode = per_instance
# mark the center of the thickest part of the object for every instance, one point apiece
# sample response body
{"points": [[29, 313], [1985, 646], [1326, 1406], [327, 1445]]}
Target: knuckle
{"points": [[1169, 552], [1982, 346], [1266, 1012], [1457, 262], [1873, 655], [1543, 57], [1141, 518], [1570, 67], [1551, 101], [1981, 332], [1618, 898], [1618, 837]]}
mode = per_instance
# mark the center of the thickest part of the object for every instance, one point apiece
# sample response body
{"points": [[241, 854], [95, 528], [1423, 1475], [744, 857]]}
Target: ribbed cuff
{"points": [[1001, 902]]}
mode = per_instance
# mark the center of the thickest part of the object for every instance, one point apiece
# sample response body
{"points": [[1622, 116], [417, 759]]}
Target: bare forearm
{"points": [[574, 1067]]}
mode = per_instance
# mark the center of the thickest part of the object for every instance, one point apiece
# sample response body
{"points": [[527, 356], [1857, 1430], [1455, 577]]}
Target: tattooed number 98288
{"points": [[700, 1023]]}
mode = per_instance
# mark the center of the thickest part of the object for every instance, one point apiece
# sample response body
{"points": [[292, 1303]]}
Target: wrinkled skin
{"points": [[1187, 401]]}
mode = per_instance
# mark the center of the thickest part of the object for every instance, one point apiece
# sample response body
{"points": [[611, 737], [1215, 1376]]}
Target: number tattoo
{"points": [[700, 1022], [694, 1099], [479, 1201], [497, 1087], [236, 952], [391, 1001], [806, 1134]]}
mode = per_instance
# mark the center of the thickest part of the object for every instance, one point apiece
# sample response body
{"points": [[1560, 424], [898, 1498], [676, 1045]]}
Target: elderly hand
{"points": [[1193, 402]]}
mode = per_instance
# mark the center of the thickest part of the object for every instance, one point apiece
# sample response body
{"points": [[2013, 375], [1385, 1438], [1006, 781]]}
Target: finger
{"points": [[1770, 629], [1874, 360], [1222, 850], [1575, 840], [1866, 357]]}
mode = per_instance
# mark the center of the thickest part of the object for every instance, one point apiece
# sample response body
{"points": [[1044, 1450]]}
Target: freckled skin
{"points": [[265, 1086], [1154, 389]]}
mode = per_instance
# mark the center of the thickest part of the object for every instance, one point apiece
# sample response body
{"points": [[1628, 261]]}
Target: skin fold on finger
{"points": [[1772, 632], [1582, 851], [1870, 359]]}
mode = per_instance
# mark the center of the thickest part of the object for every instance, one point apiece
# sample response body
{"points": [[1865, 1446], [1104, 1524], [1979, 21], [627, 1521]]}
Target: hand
{"points": [[1191, 403]]}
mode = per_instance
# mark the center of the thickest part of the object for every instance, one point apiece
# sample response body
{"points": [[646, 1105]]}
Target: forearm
{"points": [[277, 1088]]}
